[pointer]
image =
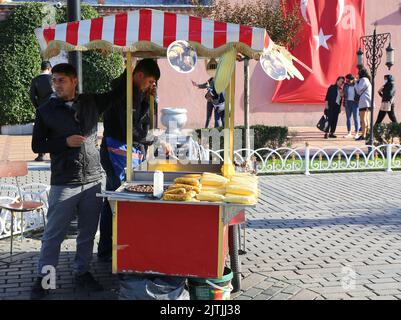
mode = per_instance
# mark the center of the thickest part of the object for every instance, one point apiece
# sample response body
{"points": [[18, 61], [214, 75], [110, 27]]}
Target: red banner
{"points": [[328, 42]]}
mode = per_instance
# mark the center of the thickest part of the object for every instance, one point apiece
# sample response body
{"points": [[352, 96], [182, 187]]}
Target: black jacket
{"points": [[55, 121], [331, 95], [115, 119], [388, 92], [41, 89]]}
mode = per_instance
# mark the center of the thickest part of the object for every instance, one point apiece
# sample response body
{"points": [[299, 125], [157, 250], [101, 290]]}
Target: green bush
{"points": [[20, 61], [263, 136], [385, 133]]}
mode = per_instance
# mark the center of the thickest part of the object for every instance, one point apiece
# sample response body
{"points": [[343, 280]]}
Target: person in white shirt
{"points": [[363, 89]]}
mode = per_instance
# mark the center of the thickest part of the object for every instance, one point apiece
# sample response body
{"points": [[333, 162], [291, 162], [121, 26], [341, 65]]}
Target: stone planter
{"points": [[174, 119], [17, 130]]}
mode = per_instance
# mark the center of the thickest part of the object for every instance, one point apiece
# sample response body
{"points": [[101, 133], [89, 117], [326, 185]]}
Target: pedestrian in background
{"points": [[334, 99], [387, 92], [214, 103], [40, 91], [351, 106], [363, 89]]}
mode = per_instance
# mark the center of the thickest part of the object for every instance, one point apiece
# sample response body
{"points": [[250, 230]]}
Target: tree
{"points": [[268, 14], [20, 60]]}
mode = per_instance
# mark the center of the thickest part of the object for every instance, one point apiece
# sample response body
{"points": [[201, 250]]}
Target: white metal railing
{"points": [[32, 220], [309, 159]]}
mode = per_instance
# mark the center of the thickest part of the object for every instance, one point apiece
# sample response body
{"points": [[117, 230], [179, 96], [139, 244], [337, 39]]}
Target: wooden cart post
{"points": [[129, 115], [227, 143], [232, 114], [152, 111]]}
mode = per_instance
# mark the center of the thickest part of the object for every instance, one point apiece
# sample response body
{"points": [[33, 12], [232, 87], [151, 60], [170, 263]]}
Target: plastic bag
{"points": [[141, 287]]}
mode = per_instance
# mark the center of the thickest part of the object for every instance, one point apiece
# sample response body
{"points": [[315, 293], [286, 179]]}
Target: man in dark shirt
{"points": [[41, 90], [66, 127], [114, 144]]}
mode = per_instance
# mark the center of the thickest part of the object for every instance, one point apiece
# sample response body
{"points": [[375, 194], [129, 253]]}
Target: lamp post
{"points": [[75, 57], [373, 46]]}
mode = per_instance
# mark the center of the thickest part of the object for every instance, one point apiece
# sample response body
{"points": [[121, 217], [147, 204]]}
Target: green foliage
{"points": [[267, 14], [386, 133], [20, 60]]}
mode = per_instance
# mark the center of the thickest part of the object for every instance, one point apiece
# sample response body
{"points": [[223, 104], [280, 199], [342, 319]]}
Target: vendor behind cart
{"points": [[114, 144]]}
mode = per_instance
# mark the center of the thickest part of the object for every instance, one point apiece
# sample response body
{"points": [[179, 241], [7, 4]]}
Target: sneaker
{"points": [[357, 136], [349, 135], [332, 135], [39, 158], [87, 281], [37, 291], [361, 138]]}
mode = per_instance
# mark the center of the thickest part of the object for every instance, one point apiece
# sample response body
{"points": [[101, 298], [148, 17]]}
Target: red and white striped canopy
{"points": [[152, 30]]}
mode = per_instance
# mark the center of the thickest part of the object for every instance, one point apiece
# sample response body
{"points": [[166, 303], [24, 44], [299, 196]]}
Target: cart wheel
{"points": [[234, 257]]}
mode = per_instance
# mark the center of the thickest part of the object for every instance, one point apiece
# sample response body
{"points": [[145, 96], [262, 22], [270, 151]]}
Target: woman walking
{"points": [[387, 92], [363, 89]]}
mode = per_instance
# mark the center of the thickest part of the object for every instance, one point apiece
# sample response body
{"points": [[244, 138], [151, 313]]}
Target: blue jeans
{"points": [[352, 110], [66, 202], [210, 110], [104, 248]]}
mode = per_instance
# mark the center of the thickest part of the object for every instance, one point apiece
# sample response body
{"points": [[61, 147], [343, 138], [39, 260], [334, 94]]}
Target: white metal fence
{"points": [[308, 159], [305, 160]]}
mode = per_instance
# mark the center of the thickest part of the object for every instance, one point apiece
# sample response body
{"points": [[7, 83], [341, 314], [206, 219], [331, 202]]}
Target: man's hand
{"points": [[167, 148], [75, 141]]}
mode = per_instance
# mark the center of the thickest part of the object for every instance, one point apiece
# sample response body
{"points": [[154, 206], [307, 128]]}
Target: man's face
{"points": [[340, 83], [64, 85], [144, 83]]}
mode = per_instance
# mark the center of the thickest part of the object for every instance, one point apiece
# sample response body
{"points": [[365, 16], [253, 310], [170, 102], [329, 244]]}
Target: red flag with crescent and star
{"points": [[328, 42]]}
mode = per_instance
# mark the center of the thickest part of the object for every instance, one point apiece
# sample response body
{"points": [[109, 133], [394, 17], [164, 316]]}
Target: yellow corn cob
{"points": [[208, 196], [234, 198], [241, 190], [224, 70], [213, 175], [213, 180], [216, 190]]}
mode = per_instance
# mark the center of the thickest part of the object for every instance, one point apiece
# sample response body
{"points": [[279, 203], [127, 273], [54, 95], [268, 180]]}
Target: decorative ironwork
{"points": [[374, 46]]}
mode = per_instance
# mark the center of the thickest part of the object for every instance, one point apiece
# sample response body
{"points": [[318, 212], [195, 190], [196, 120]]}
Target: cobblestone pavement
{"points": [[328, 236]]}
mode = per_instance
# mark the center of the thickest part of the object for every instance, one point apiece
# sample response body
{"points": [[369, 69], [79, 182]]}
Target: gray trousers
{"points": [[66, 202]]}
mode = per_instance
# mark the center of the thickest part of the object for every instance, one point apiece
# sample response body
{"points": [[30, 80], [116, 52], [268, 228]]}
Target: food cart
{"points": [[179, 238]]}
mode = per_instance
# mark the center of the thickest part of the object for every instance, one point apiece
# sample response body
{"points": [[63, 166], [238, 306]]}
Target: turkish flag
{"points": [[328, 42]]}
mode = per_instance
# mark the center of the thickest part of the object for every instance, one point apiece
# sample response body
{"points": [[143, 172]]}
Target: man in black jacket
{"points": [[41, 90], [114, 142], [66, 127]]}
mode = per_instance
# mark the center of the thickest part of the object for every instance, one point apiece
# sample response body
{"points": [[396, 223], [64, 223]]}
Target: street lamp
{"points": [[374, 45]]}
